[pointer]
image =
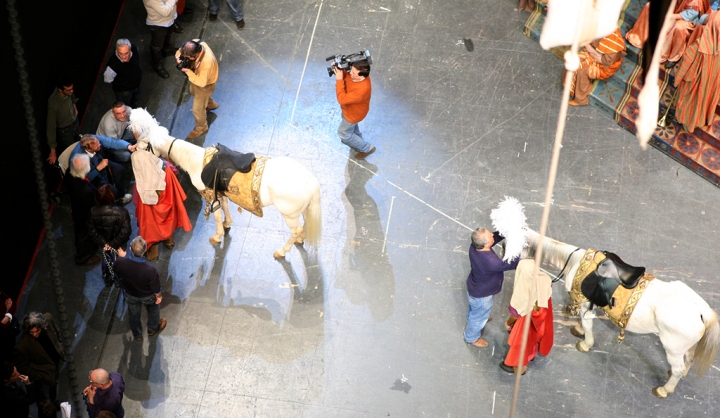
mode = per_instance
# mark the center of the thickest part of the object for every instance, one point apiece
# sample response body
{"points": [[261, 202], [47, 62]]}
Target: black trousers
{"points": [[159, 40]]}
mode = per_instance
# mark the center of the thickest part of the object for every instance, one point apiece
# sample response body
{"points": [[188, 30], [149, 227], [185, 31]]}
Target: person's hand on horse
{"points": [[8, 304], [107, 248], [121, 252], [102, 164], [132, 148], [25, 379]]}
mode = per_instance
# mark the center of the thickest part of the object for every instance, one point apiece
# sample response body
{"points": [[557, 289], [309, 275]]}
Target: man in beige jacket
{"points": [[202, 71]]}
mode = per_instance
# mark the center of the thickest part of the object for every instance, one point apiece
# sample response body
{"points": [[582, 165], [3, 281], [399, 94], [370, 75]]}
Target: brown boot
{"points": [[197, 132], [163, 324], [170, 242], [152, 253]]}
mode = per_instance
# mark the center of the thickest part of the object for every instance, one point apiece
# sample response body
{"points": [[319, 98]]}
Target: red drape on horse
{"points": [[158, 222], [540, 337]]}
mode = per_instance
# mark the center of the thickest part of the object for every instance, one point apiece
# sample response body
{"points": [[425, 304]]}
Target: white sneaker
{"points": [[126, 199]]}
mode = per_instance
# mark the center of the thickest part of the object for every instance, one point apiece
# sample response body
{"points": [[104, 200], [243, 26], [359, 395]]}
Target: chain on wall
{"points": [[40, 178]]}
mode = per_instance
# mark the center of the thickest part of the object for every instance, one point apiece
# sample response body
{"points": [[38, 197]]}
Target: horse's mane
{"points": [[148, 128], [555, 253]]}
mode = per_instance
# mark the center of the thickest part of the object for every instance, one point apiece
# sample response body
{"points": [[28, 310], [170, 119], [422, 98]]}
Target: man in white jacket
{"points": [[161, 15]]}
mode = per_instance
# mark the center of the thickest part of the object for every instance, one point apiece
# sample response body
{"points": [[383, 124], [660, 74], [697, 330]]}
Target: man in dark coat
{"points": [[38, 354], [82, 198], [141, 282]]}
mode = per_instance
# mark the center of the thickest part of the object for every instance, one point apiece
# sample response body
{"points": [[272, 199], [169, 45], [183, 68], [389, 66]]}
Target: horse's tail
{"points": [[313, 218], [707, 347]]}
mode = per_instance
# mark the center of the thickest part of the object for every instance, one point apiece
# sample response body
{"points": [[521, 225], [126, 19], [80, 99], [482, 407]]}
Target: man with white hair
{"points": [[124, 73], [82, 198], [102, 170]]}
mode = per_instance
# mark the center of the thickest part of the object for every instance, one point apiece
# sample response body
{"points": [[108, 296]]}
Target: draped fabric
{"points": [[697, 81], [612, 48], [680, 34], [540, 336], [158, 222]]}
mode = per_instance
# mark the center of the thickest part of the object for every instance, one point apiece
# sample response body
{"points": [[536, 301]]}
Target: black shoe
{"points": [[510, 369], [241, 24], [161, 71], [212, 17], [177, 28], [670, 64]]}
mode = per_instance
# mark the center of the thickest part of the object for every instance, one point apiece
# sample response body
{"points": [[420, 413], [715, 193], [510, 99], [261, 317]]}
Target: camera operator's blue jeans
{"points": [[350, 135], [134, 308], [478, 313], [235, 7]]}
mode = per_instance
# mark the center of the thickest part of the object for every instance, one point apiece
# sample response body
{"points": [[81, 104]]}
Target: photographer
{"points": [[353, 90], [197, 61]]}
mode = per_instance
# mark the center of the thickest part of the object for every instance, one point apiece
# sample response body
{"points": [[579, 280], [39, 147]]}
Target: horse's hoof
{"points": [[277, 255], [214, 241], [660, 392], [582, 347], [578, 332], [227, 230]]}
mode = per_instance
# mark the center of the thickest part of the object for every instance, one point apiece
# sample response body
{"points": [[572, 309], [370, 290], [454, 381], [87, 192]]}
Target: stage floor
{"points": [[370, 323]]}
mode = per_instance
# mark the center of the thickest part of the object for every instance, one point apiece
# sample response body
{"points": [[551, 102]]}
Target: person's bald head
{"points": [[99, 377]]}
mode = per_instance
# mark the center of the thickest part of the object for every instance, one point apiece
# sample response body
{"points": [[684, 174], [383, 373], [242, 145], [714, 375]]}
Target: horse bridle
{"points": [[562, 271], [152, 151]]}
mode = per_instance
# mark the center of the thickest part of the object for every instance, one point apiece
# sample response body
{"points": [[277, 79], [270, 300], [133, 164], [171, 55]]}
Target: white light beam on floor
{"points": [[307, 56], [387, 227]]}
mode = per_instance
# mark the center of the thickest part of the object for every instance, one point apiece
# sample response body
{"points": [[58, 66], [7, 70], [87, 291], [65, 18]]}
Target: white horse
{"points": [[688, 328], [285, 183]]}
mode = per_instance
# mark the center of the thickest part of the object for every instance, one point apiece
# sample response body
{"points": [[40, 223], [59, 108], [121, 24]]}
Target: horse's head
{"points": [[148, 132]]}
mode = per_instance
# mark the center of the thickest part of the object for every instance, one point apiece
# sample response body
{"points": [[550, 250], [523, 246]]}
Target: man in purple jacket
{"points": [[483, 283], [105, 393]]}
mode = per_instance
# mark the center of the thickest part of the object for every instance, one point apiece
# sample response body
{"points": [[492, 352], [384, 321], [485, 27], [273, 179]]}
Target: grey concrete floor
{"points": [[370, 323]]}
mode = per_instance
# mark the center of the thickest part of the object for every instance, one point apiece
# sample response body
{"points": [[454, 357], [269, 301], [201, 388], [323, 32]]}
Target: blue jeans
{"points": [[477, 316], [134, 308], [234, 5], [350, 135]]}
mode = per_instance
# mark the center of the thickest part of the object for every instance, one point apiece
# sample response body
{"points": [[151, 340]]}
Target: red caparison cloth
{"points": [[540, 337], [158, 222]]}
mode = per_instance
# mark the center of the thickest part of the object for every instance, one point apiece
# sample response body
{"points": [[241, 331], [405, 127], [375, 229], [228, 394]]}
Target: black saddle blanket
{"points": [[610, 273], [225, 163]]}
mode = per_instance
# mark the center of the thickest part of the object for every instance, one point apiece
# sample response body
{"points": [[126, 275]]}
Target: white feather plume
{"points": [[509, 219]]}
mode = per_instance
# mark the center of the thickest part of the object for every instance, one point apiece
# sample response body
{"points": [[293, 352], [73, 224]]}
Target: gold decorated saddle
{"points": [[625, 299], [243, 188]]}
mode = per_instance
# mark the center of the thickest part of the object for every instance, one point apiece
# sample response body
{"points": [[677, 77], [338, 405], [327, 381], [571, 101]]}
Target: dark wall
{"points": [[58, 36]]}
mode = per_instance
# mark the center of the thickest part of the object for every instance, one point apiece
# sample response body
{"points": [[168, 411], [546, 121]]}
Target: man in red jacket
{"points": [[353, 90]]}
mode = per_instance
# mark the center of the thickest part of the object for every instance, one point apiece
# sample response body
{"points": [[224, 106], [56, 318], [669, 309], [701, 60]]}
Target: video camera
{"points": [[344, 62]]}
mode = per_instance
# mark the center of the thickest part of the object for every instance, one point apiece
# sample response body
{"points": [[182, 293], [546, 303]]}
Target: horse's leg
{"points": [[689, 357], [219, 230], [296, 230], [586, 329], [226, 210], [678, 370]]}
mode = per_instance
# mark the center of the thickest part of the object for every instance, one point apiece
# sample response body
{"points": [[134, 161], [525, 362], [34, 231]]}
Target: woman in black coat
{"points": [[109, 228]]}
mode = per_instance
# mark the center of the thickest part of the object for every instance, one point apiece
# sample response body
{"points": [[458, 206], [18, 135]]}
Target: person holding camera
{"points": [[353, 90], [197, 61]]}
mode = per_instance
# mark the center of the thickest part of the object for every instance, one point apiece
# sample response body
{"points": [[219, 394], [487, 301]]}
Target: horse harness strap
{"points": [[562, 271], [170, 149], [625, 299]]}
